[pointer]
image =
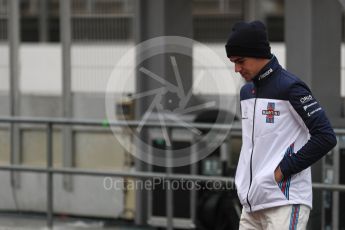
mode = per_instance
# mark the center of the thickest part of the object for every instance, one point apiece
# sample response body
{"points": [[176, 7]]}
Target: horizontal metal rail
{"points": [[331, 187], [107, 123], [145, 175], [114, 173]]}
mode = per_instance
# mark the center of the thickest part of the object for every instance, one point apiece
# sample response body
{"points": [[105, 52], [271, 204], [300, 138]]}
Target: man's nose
{"points": [[237, 68]]}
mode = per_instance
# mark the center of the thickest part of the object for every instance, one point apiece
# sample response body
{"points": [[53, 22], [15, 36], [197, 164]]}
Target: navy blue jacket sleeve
{"points": [[322, 137]]}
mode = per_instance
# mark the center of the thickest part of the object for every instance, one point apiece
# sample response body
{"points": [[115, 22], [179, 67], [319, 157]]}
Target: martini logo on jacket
{"points": [[270, 112]]}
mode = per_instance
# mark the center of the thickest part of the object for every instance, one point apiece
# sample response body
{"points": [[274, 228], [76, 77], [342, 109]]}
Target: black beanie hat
{"points": [[248, 40]]}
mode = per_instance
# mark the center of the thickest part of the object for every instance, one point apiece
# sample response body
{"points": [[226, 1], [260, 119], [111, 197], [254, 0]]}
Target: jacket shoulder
{"points": [[287, 81], [247, 91]]}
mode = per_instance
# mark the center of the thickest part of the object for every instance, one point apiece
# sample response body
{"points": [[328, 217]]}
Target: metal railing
{"points": [[50, 170]]}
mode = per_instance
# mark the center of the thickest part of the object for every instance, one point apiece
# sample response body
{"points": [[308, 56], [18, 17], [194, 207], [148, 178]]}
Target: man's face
{"points": [[248, 67]]}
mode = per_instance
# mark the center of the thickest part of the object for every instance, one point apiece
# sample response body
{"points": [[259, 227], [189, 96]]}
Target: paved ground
{"points": [[38, 222]]}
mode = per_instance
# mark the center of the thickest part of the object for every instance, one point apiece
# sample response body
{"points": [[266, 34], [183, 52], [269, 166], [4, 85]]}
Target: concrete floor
{"points": [[38, 222]]}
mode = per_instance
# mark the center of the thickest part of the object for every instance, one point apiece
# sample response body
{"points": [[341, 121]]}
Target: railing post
{"points": [[50, 198], [194, 171], [14, 95], [335, 195], [67, 98], [169, 193]]}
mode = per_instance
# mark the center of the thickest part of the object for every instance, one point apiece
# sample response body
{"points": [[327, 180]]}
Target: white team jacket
{"points": [[280, 119]]}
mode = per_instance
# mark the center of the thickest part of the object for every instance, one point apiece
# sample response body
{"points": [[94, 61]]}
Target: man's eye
{"points": [[240, 61]]}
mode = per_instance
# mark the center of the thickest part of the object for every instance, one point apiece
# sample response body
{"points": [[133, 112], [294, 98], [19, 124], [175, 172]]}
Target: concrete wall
{"points": [[89, 197], [93, 149], [92, 65]]}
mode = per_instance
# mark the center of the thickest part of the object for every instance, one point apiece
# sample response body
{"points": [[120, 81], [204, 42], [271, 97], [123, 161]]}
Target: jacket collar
{"points": [[266, 72]]}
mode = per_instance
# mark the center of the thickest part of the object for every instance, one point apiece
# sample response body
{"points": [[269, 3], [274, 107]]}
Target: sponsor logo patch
{"points": [[262, 76], [307, 106], [270, 113], [306, 99], [314, 111]]}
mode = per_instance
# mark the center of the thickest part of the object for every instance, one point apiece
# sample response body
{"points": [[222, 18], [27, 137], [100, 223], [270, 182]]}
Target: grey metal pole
{"points": [[151, 19], [194, 170], [250, 9], [14, 40], [50, 195], [169, 192], [14, 36], [65, 28], [335, 202]]}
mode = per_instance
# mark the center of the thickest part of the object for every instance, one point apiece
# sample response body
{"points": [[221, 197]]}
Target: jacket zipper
{"points": [[251, 155]]}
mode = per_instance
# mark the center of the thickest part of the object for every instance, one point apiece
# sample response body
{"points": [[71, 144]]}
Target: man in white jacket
{"points": [[284, 131]]}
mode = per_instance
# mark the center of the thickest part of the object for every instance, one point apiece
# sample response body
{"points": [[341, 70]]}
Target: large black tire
{"points": [[218, 210]]}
